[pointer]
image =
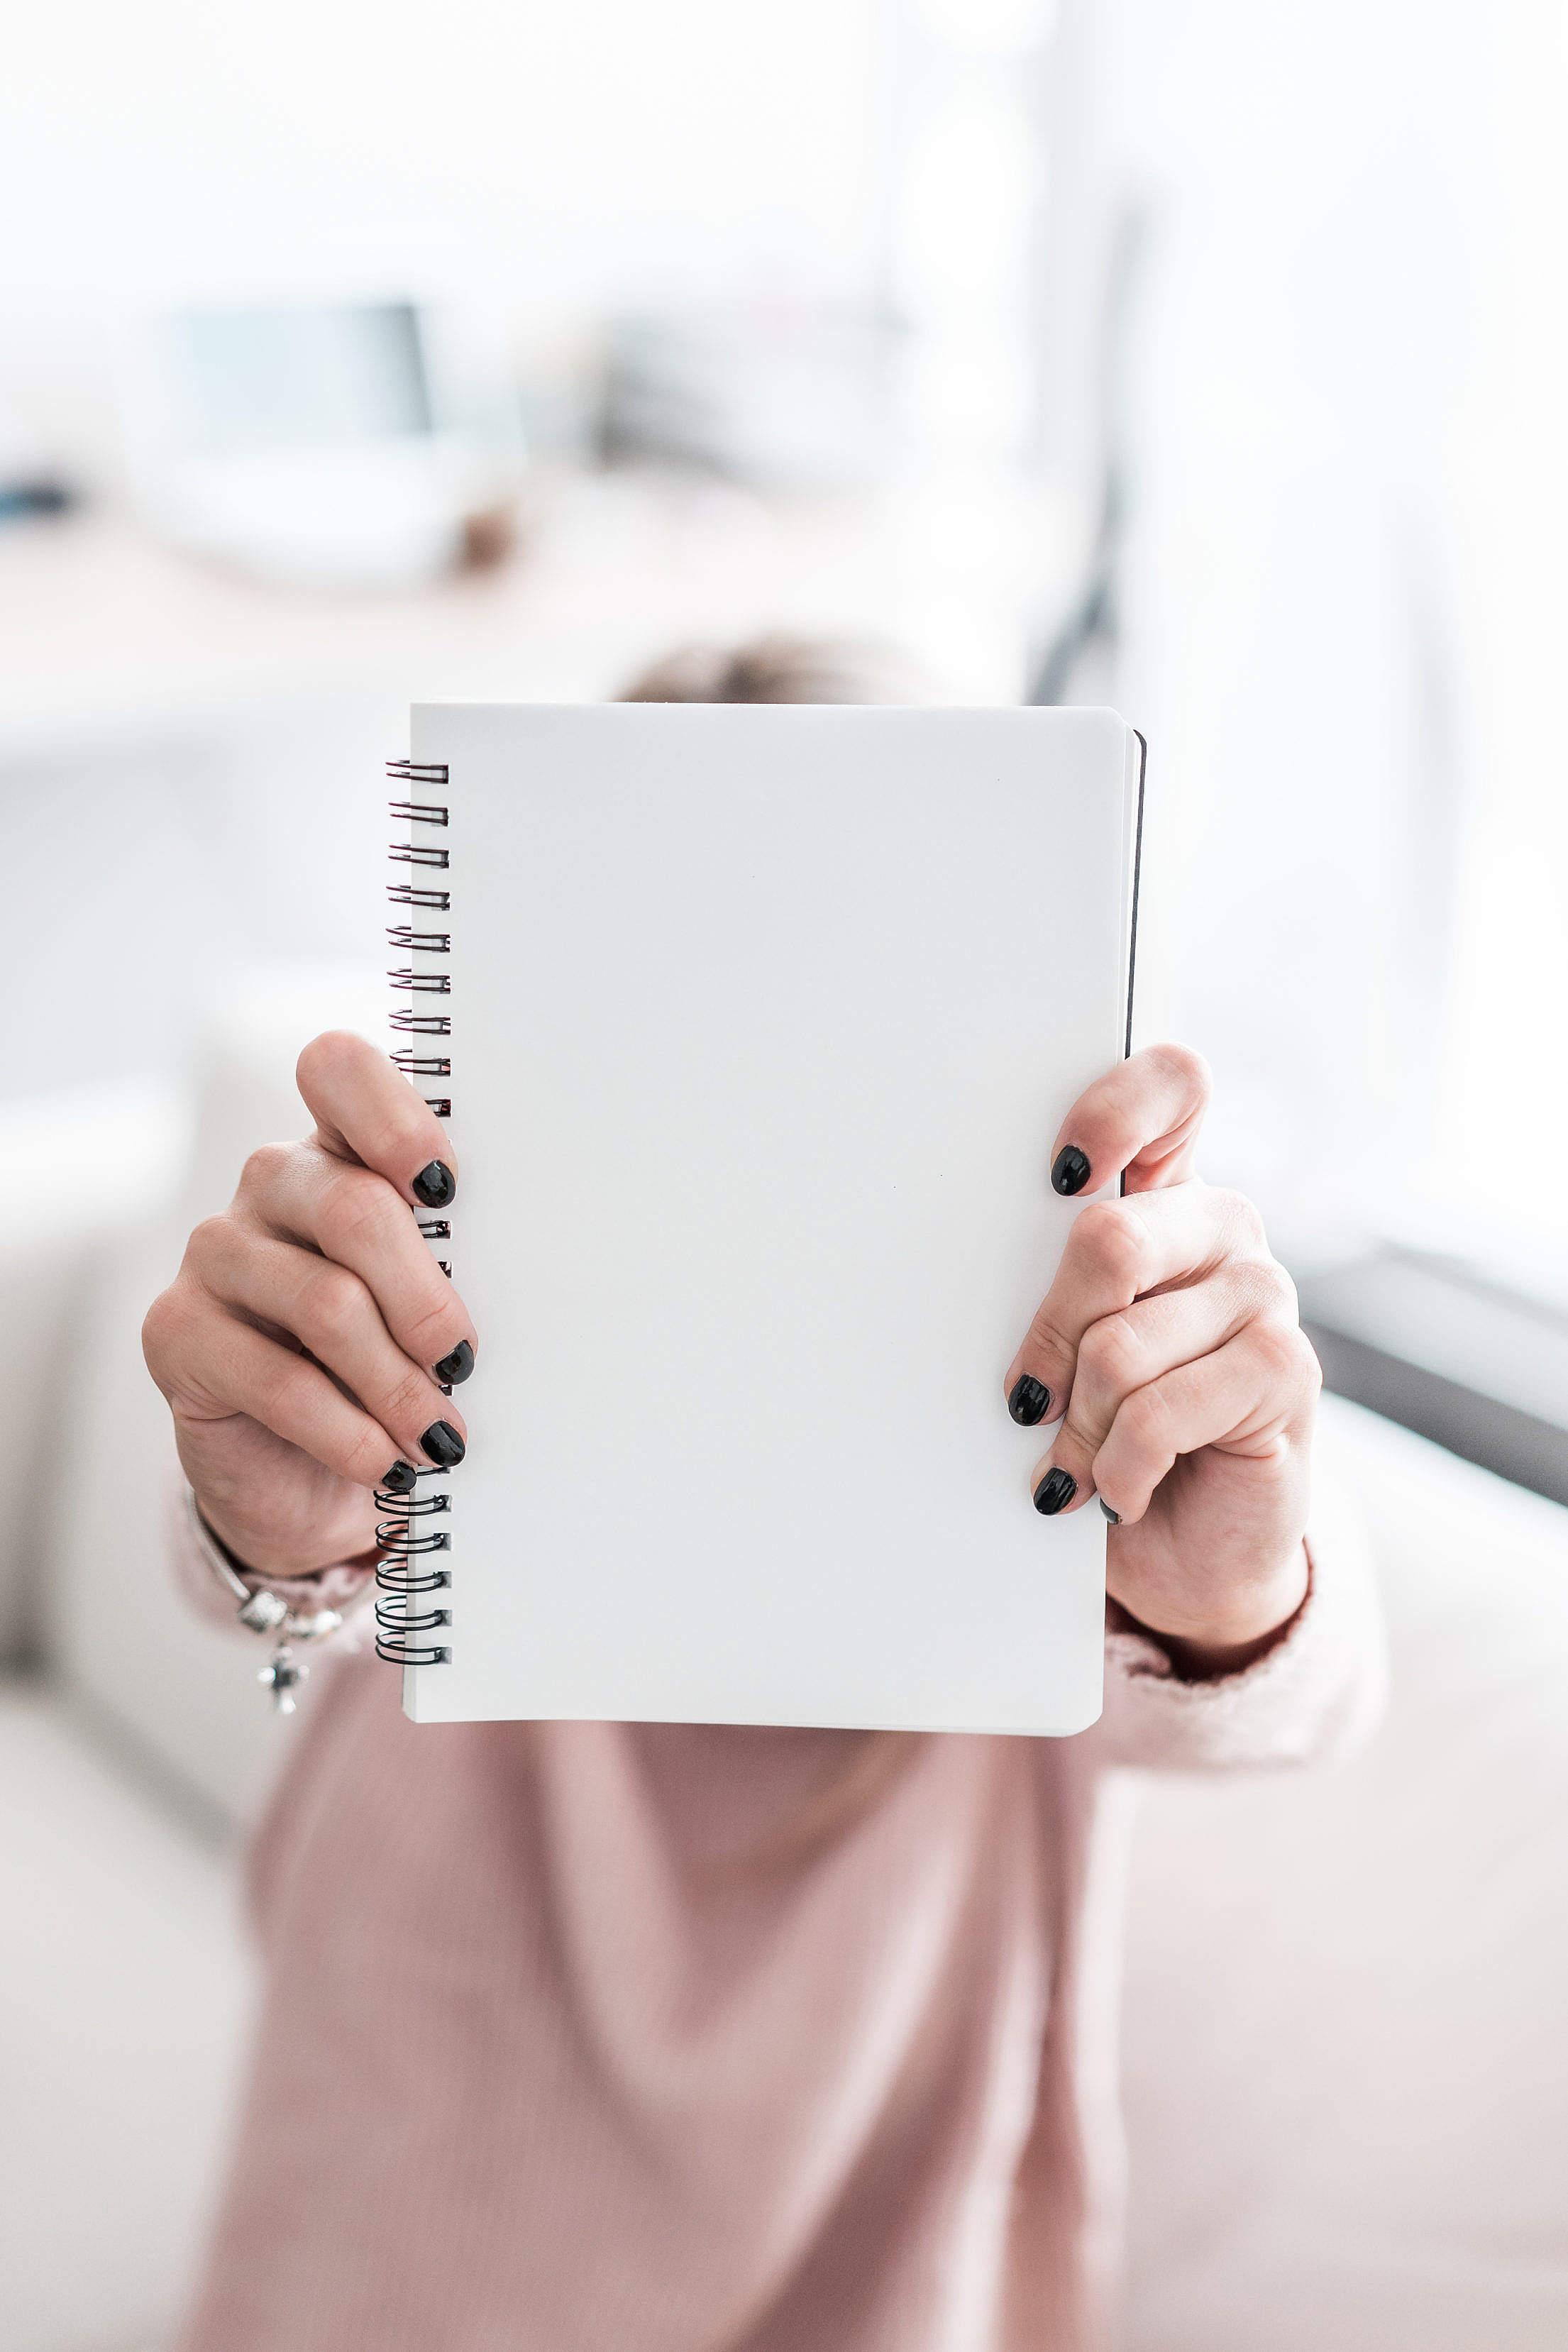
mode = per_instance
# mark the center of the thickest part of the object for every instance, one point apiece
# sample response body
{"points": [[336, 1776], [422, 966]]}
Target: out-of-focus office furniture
{"points": [[355, 442], [190, 760]]}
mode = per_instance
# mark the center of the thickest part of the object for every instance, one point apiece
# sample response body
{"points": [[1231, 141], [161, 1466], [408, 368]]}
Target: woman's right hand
{"points": [[303, 1343]]}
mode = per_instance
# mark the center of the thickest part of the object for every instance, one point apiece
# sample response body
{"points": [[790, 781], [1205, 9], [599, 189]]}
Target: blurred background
{"points": [[1201, 358]]}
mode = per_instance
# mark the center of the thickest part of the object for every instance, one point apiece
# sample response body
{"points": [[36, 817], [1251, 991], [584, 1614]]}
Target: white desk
{"points": [[100, 627], [191, 762]]}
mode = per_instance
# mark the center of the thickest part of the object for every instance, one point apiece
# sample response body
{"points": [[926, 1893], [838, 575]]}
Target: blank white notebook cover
{"points": [[763, 1023]]}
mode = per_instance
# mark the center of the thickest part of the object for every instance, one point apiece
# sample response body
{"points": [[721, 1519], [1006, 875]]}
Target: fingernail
{"points": [[457, 1366], [1029, 1401], [1070, 1172], [435, 1185], [442, 1445], [1114, 1516], [400, 1479], [1055, 1492]]}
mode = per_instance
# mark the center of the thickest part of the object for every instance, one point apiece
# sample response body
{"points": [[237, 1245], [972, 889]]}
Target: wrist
{"points": [[1206, 1645], [275, 1528], [250, 1554], [218, 1543]]}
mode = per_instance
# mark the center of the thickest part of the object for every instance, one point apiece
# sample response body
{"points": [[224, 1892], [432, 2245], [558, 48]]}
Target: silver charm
{"points": [[261, 1612], [264, 1612], [280, 1677], [285, 1670]]}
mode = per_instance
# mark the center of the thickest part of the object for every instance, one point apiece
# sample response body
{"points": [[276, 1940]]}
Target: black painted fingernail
{"points": [[435, 1185], [1030, 1401], [1114, 1516], [400, 1479], [457, 1366], [1055, 1492], [442, 1445], [1070, 1172]]}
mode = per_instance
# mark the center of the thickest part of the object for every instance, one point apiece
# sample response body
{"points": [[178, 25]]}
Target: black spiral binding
{"points": [[409, 1535], [404, 1578]]}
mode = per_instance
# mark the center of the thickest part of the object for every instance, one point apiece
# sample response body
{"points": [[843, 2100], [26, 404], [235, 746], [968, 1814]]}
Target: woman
{"points": [[656, 2037]]}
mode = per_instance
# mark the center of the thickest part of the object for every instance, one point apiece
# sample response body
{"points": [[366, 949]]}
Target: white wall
{"points": [[1344, 600], [605, 154]]}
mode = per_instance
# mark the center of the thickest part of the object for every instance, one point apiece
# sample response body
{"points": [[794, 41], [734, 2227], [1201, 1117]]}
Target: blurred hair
{"points": [[779, 668]]}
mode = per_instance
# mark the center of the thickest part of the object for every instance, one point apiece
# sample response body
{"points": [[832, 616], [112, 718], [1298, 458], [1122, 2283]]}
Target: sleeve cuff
{"points": [[1317, 1695]]}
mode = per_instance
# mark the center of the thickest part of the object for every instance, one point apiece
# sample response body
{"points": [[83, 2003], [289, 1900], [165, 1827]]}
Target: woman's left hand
{"points": [[1170, 1337]]}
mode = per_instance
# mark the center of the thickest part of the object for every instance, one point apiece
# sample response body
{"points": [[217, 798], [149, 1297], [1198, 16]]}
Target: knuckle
{"points": [[1146, 1418], [332, 1303], [368, 1456], [284, 1389], [166, 1328], [1309, 1370], [330, 1058], [432, 1331], [263, 1167], [209, 1242], [407, 1403], [400, 1137], [1113, 1354], [1111, 1241], [1081, 1436], [357, 1207], [1286, 1354], [1249, 1218], [1190, 1070], [1264, 1293], [1280, 1290], [1045, 1343], [1240, 1223]]}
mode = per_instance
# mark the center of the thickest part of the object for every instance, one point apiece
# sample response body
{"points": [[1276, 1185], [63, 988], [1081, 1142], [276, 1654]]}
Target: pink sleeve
{"points": [[345, 1587], [1316, 1696]]}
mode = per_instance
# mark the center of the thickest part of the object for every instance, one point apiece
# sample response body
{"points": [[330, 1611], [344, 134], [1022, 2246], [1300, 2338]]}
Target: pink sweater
{"points": [[575, 2041]]}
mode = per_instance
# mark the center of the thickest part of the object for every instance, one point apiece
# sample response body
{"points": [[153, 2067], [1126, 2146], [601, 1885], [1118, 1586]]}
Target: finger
{"points": [[1252, 1396], [1135, 1348], [366, 1110], [227, 1367], [354, 1218], [1116, 1252], [1142, 1119], [335, 1316]]}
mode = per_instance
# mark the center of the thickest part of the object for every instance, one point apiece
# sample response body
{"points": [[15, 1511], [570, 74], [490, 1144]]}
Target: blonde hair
{"points": [[780, 668]]}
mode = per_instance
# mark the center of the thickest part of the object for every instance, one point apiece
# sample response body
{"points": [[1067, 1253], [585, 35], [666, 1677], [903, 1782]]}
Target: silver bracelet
{"points": [[261, 1612]]}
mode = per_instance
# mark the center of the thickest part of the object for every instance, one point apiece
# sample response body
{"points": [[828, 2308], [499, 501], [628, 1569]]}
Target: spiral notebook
{"points": [[753, 1027]]}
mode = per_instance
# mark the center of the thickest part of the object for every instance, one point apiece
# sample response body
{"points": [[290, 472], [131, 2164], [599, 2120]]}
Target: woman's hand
{"points": [[302, 1345], [1169, 1343]]}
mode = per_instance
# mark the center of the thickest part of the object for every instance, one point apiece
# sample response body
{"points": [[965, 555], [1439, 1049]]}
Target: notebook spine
{"points": [[413, 1580]]}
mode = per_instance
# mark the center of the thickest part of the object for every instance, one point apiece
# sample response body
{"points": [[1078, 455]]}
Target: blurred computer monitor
{"points": [[335, 441]]}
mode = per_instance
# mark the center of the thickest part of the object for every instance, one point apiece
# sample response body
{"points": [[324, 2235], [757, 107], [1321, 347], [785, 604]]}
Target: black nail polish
{"points": [[435, 1185], [457, 1366], [1070, 1172], [400, 1479], [1114, 1516], [1029, 1402], [442, 1445], [1055, 1492]]}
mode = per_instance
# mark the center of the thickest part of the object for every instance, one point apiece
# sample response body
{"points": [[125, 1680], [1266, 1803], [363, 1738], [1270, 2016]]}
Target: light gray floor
{"points": [[125, 1988]]}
